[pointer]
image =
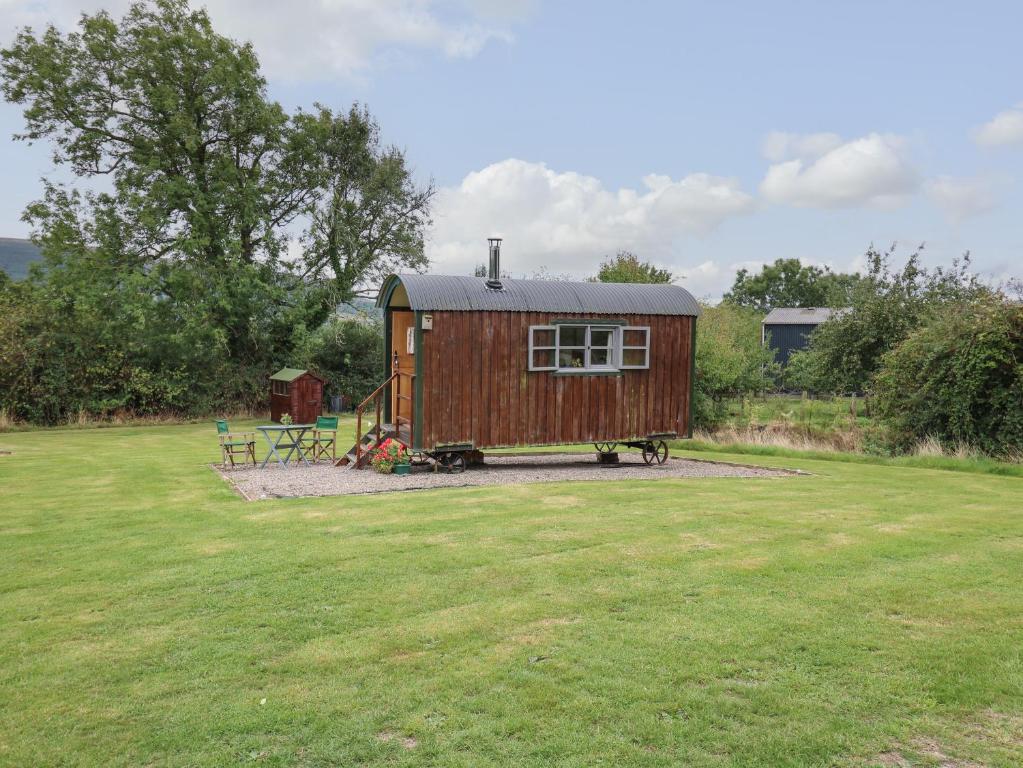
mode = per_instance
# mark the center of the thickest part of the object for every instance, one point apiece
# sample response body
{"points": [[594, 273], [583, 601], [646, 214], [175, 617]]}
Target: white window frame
{"points": [[616, 350], [585, 347], [612, 348], [532, 346], [645, 329]]}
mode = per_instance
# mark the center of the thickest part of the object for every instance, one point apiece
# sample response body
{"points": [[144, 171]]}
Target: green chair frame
{"points": [[323, 443], [243, 444]]}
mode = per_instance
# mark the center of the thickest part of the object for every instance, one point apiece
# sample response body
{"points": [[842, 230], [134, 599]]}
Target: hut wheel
{"points": [[655, 452], [605, 447], [453, 462], [418, 459]]}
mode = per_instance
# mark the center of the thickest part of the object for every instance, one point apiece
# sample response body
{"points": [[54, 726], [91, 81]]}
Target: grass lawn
{"points": [[867, 615]]}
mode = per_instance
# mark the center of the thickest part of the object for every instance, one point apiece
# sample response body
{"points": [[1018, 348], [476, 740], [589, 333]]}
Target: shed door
{"points": [[310, 393]]}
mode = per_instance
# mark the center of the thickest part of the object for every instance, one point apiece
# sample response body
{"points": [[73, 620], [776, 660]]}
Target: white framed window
{"points": [[635, 347], [543, 348], [581, 347]]}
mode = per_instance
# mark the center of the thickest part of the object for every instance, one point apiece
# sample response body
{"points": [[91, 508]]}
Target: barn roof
{"points": [[470, 294], [801, 315]]}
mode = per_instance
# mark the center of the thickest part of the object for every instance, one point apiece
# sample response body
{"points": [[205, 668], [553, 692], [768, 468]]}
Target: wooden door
{"points": [[403, 325], [310, 392]]}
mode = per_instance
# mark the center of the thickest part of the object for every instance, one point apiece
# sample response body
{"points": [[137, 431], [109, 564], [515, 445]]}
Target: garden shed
{"points": [[296, 392], [474, 362], [787, 329]]}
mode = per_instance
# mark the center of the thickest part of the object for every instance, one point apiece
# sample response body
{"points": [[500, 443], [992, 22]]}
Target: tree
{"points": [[625, 267], [368, 216], [790, 283], [730, 360], [167, 290], [958, 379], [203, 166], [887, 305]]}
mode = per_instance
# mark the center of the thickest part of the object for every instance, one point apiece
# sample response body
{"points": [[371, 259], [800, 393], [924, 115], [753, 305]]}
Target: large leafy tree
{"points": [[201, 164], [164, 285], [368, 214], [790, 283], [625, 267]]}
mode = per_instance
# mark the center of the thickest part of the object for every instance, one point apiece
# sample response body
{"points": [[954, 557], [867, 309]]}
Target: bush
{"points": [[958, 380], [887, 306], [348, 352]]}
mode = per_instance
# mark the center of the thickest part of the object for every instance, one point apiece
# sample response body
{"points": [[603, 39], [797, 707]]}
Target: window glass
{"points": [[572, 358], [543, 358], [601, 337], [543, 337], [572, 336], [600, 357], [634, 337], [635, 357]]}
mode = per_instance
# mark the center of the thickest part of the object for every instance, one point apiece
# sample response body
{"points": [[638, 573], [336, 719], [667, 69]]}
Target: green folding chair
{"points": [[242, 444], [323, 443]]}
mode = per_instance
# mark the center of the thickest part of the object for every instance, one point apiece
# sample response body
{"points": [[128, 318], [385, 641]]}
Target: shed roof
{"points": [[288, 374], [801, 315], [470, 294]]}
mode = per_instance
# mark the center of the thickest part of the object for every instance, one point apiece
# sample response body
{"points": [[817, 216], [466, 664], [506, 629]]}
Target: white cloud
{"points": [[869, 171], [964, 197], [1004, 129], [567, 222], [779, 146], [315, 39]]}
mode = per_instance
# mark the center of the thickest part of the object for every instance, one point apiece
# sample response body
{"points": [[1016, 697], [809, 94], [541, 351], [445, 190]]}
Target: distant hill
{"points": [[15, 256]]}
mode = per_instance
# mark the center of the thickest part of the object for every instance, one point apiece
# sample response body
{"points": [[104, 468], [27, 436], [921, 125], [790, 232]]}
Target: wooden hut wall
{"points": [[477, 388]]}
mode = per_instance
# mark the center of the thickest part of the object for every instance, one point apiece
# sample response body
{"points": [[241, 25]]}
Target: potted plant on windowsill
{"points": [[390, 457]]}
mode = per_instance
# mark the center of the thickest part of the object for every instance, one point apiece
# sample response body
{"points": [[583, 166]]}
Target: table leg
{"points": [[269, 442], [273, 449], [298, 443]]}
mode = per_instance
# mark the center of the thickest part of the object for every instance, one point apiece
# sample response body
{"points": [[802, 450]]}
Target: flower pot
{"points": [[402, 469]]}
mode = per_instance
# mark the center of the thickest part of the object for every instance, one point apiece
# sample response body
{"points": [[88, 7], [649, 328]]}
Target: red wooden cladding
{"points": [[478, 389]]}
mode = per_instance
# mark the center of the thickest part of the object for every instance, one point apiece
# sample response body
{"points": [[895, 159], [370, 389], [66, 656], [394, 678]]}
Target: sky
{"points": [[703, 137]]}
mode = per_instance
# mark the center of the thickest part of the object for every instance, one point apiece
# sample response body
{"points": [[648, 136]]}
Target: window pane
{"points": [[600, 356], [601, 337], [573, 335], [572, 358], [634, 339], [634, 357], [543, 358], [543, 337]]}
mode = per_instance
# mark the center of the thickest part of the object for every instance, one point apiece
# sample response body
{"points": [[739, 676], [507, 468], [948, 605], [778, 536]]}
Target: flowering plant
{"points": [[286, 419], [387, 455]]}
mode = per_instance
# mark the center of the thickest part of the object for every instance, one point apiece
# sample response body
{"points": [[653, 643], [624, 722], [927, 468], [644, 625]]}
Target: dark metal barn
{"points": [[788, 329]]}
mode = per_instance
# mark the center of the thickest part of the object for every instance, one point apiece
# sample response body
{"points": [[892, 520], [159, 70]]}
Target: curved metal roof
{"points": [[470, 294]]}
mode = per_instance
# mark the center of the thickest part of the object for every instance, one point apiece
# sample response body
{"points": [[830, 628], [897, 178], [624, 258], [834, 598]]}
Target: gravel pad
{"points": [[326, 480]]}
